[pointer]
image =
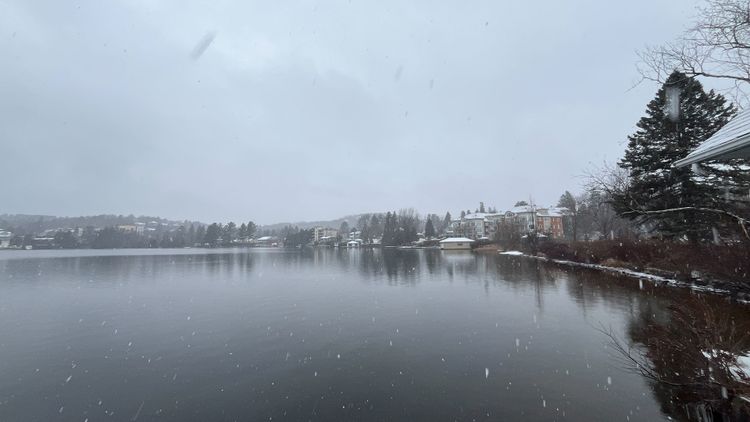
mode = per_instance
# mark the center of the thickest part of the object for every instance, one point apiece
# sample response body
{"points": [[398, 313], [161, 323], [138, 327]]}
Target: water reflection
{"points": [[689, 353], [329, 334]]}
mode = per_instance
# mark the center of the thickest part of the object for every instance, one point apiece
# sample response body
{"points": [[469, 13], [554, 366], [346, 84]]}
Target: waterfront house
{"points": [[474, 225], [478, 225], [267, 241], [319, 233], [549, 221], [5, 238], [456, 243], [127, 228]]}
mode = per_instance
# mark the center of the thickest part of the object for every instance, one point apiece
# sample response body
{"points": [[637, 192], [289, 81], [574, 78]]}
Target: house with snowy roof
{"points": [[546, 220], [731, 141], [477, 226], [550, 222]]}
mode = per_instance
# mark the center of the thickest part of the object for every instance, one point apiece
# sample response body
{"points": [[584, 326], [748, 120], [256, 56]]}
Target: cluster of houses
{"points": [[460, 233], [472, 227], [42, 240], [327, 236], [46, 239], [521, 219]]}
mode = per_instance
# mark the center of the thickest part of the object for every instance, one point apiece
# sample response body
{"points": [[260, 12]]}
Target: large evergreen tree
{"points": [[229, 233], [376, 226], [344, 230], [213, 232], [661, 139], [570, 220], [429, 228], [251, 229], [389, 230], [200, 234], [446, 221]]}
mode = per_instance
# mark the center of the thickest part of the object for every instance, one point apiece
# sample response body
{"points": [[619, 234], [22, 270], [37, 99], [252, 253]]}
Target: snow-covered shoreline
{"points": [[742, 297]]}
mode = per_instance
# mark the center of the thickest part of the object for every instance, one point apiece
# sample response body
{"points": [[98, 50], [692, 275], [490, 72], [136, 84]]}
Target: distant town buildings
{"points": [[523, 219], [5, 237], [323, 234], [267, 241]]}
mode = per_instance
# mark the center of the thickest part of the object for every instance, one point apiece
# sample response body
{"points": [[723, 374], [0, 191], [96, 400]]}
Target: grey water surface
{"points": [[319, 335]]}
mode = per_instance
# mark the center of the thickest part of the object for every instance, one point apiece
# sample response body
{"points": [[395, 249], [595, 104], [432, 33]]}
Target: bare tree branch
{"points": [[740, 220], [717, 46], [615, 182]]}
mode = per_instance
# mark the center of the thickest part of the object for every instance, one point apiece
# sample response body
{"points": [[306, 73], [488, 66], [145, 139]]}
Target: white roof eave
{"points": [[736, 149], [731, 141]]}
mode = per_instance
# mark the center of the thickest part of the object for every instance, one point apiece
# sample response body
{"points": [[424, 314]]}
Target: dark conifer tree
{"points": [[446, 221], [251, 229], [389, 230], [429, 228], [661, 139], [213, 232], [190, 238], [200, 234], [570, 220]]}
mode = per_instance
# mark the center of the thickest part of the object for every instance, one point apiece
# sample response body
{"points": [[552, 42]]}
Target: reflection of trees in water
{"points": [[127, 268], [515, 270], [231, 265], [688, 352], [372, 262], [405, 266], [432, 261], [401, 264], [687, 343], [523, 273], [592, 287]]}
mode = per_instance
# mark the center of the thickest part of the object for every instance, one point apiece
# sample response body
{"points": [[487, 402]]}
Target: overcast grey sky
{"points": [[313, 110]]}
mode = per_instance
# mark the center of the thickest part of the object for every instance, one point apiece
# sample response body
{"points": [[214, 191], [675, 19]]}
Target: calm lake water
{"points": [[320, 335]]}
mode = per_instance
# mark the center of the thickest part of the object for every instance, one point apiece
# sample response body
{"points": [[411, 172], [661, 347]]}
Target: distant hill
{"points": [[26, 223], [351, 220], [30, 223]]}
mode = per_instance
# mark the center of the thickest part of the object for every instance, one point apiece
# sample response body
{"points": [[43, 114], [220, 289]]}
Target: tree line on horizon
{"points": [[111, 237]]}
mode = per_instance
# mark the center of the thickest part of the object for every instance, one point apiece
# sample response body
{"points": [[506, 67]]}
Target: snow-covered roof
{"points": [[456, 240], [731, 141], [551, 212], [475, 216], [521, 209]]}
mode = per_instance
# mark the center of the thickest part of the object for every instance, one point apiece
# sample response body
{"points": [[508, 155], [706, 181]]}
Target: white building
{"points": [[476, 225], [5, 237], [324, 232], [456, 244]]}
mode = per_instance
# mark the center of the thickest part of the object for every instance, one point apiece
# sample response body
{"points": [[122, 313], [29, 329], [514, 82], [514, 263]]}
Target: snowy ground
{"points": [[740, 369]]}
